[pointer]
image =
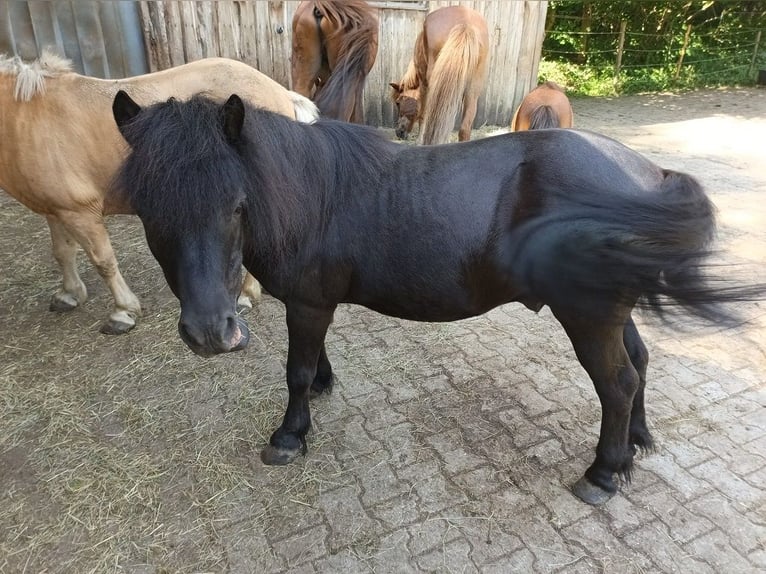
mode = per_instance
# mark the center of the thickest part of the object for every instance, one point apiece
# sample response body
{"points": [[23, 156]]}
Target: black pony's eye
{"points": [[239, 210]]}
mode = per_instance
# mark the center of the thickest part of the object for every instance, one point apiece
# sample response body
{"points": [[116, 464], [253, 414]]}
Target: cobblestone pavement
{"points": [[452, 447]]}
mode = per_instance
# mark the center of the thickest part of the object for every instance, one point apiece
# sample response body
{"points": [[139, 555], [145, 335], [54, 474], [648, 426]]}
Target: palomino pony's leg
{"points": [[306, 328], [470, 105], [73, 292], [90, 233], [638, 434], [251, 291], [600, 349]]}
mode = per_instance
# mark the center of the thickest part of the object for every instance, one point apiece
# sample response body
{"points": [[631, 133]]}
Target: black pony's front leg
{"points": [[601, 351], [306, 328]]}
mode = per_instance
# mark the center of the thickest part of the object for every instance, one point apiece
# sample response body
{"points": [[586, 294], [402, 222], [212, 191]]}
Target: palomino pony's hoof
{"points": [[244, 304], [63, 302], [275, 456], [588, 492]]}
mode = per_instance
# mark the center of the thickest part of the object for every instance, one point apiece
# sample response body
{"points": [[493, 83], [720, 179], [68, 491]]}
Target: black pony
{"points": [[333, 213]]}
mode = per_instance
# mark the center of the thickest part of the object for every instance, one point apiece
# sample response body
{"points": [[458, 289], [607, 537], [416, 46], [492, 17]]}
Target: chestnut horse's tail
{"points": [[543, 117], [591, 252], [357, 22], [452, 77]]}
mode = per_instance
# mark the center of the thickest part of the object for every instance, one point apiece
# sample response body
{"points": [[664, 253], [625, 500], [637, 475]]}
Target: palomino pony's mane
{"points": [[30, 76], [293, 173]]}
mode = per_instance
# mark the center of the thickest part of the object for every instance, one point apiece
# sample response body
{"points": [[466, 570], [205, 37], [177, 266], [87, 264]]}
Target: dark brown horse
{"points": [[334, 47], [547, 106], [332, 212], [448, 70]]}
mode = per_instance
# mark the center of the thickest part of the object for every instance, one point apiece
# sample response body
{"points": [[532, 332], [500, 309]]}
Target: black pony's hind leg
{"points": [[638, 433], [601, 351], [324, 379], [306, 328]]}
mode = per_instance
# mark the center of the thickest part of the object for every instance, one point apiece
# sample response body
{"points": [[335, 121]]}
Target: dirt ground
{"points": [[444, 448]]}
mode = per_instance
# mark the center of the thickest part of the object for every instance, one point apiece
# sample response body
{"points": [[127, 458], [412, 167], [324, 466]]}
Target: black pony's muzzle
{"points": [[226, 335]]}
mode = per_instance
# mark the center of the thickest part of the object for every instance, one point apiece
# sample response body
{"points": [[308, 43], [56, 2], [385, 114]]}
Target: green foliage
{"points": [[667, 45]]}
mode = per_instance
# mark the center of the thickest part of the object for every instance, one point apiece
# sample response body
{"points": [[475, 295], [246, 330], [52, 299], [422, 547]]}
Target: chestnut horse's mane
{"points": [[30, 76]]}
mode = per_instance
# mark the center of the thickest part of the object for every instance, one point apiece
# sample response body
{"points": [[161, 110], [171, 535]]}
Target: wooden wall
{"points": [[102, 39], [259, 33], [118, 39]]}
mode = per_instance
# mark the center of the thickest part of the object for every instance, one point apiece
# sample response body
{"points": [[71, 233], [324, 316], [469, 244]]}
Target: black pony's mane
{"points": [[181, 167]]}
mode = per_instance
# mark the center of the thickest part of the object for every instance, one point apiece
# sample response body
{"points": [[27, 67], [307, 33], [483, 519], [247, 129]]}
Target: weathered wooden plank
{"points": [[193, 49], [90, 38], [22, 30], [42, 23], [65, 22]]}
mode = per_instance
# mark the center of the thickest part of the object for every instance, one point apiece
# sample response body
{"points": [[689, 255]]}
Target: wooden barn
{"points": [[118, 39]]}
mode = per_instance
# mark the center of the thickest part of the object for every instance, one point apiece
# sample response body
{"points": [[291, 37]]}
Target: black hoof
{"points": [[588, 492], [115, 328], [61, 306], [275, 456]]}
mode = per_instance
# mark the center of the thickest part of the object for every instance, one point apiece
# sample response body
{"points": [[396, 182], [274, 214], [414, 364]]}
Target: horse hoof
{"points": [[63, 302], [275, 456], [588, 492], [116, 327], [244, 304]]}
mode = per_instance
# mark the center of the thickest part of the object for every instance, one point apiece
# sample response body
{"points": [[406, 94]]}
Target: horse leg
{"points": [[251, 291], [73, 291], [90, 233], [323, 381], [638, 433], [306, 328], [602, 353], [470, 105]]}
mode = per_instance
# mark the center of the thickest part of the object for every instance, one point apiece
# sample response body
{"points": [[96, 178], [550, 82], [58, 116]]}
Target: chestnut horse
{"points": [[333, 49], [59, 149], [449, 68], [565, 218], [547, 106]]}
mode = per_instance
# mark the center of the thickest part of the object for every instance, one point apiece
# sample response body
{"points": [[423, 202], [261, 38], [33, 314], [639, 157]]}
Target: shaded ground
{"points": [[446, 448]]}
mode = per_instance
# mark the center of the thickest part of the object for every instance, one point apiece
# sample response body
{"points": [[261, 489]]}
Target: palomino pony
{"points": [[449, 68], [428, 233], [59, 149], [547, 106], [333, 49]]}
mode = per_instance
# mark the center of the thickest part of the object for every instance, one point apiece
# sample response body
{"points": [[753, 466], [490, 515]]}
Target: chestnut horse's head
{"points": [[407, 102]]}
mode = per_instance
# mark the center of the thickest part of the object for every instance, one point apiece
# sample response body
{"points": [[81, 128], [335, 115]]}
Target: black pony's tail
{"points": [[592, 251]]}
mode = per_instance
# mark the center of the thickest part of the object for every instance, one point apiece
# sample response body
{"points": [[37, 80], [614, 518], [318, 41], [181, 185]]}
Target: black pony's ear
{"points": [[233, 114], [124, 109]]}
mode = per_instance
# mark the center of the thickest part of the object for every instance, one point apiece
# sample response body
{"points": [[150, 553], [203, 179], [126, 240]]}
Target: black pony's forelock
{"points": [[179, 161]]}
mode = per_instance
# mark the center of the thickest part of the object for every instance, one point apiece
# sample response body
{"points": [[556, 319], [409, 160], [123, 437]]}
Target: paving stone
{"points": [[395, 513], [447, 558], [379, 483], [665, 552], [717, 473], [303, 547], [429, 534], [682, 481], [744, 534], [682, 524], [392, 555], [604, 548], [714, 548], [346, 516]]}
